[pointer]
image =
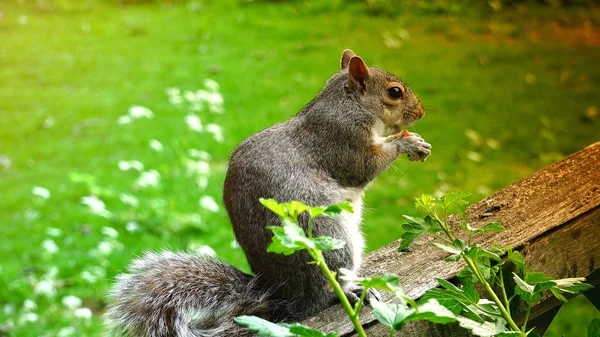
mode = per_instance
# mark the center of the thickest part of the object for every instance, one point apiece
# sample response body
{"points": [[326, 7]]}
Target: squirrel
{"points": [[328, 153]]}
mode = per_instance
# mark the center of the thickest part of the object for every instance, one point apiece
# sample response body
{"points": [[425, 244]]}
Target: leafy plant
{"points": [[483, 316], [290, 238]]}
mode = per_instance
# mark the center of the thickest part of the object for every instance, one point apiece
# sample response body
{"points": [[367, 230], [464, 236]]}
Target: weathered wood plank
{"points": [[534, 210]]}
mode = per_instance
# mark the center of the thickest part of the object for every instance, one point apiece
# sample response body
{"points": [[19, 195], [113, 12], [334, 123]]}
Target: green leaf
{"points": [[493, 227], [478, 253], [295, 208], [316, 211], [274, 206], [325, 243], [593, 329], [447, 249], [336, 209], [391, 315], [263, 327], [417, 227], [305, 331], [516, 258], [288, 238], [445, 298], [483, 329], [387, 282], [454, 201], [432, 311], [425, 202]]}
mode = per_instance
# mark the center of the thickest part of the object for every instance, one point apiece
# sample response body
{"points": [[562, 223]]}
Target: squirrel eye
{"points": [[395, 92]]}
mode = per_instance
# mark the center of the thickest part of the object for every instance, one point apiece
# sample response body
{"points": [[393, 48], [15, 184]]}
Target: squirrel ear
{"points": [[358, 70], [346, 56]]}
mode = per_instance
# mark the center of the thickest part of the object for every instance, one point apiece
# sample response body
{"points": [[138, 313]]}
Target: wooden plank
{"points": [[532, 210]]}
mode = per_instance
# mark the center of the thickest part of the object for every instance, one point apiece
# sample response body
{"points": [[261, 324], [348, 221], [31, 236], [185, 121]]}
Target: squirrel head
{"points": [[382, 93]]}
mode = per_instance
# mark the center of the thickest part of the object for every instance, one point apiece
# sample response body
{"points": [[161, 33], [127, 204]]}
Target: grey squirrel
{"points": [[328, 153]]}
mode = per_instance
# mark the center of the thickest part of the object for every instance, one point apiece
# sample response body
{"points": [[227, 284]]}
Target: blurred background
{"points": [[117, 118]]}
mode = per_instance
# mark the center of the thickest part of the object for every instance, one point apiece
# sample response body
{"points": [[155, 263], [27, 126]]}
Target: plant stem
{"points": [[505, 298], [391, 332], [318, 257], [526, 317], [310, 227], [492, 294], [359, 305]]}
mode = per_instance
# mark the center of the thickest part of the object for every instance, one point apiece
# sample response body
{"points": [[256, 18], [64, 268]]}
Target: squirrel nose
{"points": [[421, 111]]}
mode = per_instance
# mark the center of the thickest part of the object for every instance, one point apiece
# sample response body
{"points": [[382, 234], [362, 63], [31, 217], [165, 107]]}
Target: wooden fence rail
{"points": [[552, 217]]}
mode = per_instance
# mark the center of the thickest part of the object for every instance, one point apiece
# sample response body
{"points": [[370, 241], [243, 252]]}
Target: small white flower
{"points": [[193, 122], [54, 231], [41, 192], [23, 20], [110, 232], [45, 288], [104, 248], [96, 205], [129, 199], [50, 246], [84, 313], [89, 277], [66, 332], [155, 145], [137, 111], [71, 302], [132, 226], [9, 309], [5, 162], [199, 154], [125, 165], [125, 119], [190, 96], [148, 179], [197, 167], [29, 305], [474, 156], [211, 85], [28, 317], [234, 244], [174, 95], [93, 274], [216, 131], [208, 203], [201, 249], [202, 182]]}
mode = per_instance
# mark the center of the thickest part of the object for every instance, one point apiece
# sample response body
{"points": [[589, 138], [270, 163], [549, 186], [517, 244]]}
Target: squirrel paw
{"points": [[413, 145], [354, 290]]}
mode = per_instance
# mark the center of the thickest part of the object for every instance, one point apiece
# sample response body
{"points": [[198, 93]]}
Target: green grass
{"points": [[69, 71]]}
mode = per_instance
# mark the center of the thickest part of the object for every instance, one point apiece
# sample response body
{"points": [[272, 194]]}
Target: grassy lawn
{"points": [[506, 93]]}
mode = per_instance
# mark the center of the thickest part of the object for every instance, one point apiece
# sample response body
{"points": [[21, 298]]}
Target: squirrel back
{"points": [[328, 153]]}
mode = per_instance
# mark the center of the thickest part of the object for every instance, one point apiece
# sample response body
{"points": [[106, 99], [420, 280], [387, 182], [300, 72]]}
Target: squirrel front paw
{"points": [[353, 291], [413, 145]]}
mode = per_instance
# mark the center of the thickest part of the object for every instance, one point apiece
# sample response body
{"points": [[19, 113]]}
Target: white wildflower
{"points": [[193, 122], [66, 332], [23, 20], [155, 145], [28, 317], [212, 85], [474, 136], [202, 182], [41, 192], [234, 244], [71, 302], [125, 119], [216, 131], [129, 199], [148, 179], [50, 246], [125, 165], [110, 232], [132, 226], [93, 274], [45, 288], [54, 231], [199, 154], [492, 143], [201, 249], [84, 313], [9, 309], [5, 162], [137, 111], [29, 305], [474, 156], [208, 203], [105, 247], [174, 95], [96, 205], [197, 167], [32, 214], [190, 96]]}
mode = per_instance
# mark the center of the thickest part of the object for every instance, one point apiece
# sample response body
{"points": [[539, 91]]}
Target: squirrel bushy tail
{"points": [[179, 294]]}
